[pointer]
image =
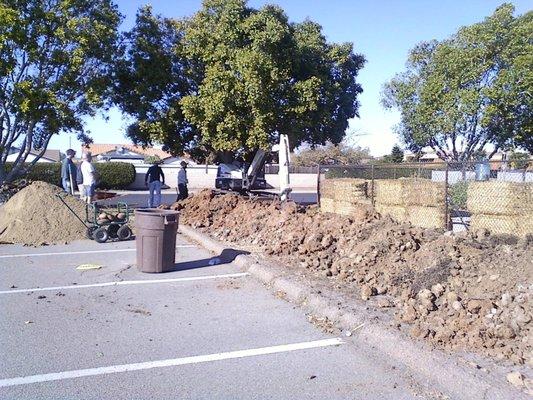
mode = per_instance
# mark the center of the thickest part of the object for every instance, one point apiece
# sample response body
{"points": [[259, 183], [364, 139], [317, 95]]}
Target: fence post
{"points": [[372, 186], [318, 184], [447, 220]]}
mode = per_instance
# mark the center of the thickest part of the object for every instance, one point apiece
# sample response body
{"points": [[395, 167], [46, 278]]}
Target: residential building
{"points": [[49, 156], [103, 152]]}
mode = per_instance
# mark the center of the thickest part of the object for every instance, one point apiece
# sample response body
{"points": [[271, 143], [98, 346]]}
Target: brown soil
{"points": [[470, 291], [35, 216]]}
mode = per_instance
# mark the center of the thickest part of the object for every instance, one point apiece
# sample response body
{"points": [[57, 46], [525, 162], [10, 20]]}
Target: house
{"points": [[430, 156], [130, 153], [49, 156]]}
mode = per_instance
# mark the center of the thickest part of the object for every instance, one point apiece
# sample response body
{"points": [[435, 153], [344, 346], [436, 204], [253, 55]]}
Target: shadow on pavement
{"points": [[227, 256]]}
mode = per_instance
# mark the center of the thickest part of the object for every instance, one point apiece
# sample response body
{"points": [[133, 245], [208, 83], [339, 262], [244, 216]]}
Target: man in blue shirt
{"points": [[68, 172]]}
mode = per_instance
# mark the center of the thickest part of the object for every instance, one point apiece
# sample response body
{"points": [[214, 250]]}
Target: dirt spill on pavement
{"points": [[468, 291]]}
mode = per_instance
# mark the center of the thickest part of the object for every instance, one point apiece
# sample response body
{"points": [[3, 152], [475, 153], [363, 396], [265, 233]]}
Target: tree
{"points": [[519, 160], [330, 154], [248, 75], [152, 76], [467, 92], [55, 67], [396, 154]]}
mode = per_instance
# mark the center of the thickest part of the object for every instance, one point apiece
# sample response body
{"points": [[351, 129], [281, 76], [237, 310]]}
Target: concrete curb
{"points": [[443, 371]]}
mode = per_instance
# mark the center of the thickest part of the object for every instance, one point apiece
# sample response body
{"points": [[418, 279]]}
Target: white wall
{"points": [[302, 181], [199, 179], [453, 176], [518, 176]]}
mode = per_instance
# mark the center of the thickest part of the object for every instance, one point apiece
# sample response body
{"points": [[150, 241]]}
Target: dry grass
{"points": [[500, 198]]}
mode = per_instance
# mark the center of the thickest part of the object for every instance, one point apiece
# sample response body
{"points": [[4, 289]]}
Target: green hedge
{"points": [[380, 172], [113, 175]]}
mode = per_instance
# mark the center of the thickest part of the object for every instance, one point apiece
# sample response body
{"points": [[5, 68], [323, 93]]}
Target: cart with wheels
{"points": [[102, 224]]}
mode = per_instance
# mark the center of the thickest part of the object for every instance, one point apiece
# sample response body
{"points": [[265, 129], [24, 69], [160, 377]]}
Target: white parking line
{"points": [[113, 369], [80, 252], [122, 283]]}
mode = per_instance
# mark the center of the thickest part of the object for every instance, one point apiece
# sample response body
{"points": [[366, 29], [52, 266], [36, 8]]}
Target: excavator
{"points": [[249, 179]]}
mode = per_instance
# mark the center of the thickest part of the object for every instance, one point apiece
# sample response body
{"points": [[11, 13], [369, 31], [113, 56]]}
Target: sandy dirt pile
{"points": [[470, 291], [35, 216]]}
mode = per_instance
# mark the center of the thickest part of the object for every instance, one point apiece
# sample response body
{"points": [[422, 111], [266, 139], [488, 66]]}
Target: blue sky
{"points": [[382, 30]]}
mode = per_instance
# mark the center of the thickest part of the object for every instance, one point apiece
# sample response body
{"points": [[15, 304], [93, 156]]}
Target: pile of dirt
{"points": [[470, 291], [35, 216]]}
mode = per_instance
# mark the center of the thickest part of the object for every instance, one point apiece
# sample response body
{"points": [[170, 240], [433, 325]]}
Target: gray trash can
{"points": [[482, 171], [156, 239]]}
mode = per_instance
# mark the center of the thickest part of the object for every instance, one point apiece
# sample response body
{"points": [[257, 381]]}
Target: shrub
{"points": [[458, 194], [381, 171], [46, 172], [113, 175]]}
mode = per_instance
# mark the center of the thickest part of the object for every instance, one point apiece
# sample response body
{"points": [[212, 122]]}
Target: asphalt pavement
{"points": [[206, 330]]}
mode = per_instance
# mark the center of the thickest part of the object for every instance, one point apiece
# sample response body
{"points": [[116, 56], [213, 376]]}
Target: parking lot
{"points": [[207, 330]]}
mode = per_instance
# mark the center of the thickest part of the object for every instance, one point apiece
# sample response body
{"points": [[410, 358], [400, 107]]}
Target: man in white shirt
{"points": [[89, 177], [183, 192]]}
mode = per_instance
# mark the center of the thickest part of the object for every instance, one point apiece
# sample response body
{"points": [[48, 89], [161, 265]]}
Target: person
{"points": [[183, 192], [68, 172], [88, 173], [154, 179]]}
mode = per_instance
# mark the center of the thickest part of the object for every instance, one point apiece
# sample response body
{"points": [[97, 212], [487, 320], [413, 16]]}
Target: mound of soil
{"points": [[470, 291], [35, 216]]}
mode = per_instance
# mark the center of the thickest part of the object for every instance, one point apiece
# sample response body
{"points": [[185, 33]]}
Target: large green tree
{"points": [[55, 68], [248, 75], [152, 76], [470, 92]]}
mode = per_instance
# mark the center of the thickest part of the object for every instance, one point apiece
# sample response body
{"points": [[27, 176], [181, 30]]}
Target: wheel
{"points": [[124, 233], [90, 232], [112, 231], [100, 235]]}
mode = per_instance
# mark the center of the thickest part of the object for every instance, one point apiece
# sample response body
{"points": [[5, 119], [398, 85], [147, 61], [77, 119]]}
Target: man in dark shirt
{"points": [[68, 172], [154, 179]]}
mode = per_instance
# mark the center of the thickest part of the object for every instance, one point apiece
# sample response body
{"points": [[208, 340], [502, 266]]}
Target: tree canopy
{"points": [[55, 67], [396, 155], [152, 76], [245, 76], [469, 92]]}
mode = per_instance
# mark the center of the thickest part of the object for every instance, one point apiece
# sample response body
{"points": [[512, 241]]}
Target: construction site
{"points": [[378, 250], [266, 199]]}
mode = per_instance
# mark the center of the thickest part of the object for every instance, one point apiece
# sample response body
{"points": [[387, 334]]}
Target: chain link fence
{"points": [[493, 196]]}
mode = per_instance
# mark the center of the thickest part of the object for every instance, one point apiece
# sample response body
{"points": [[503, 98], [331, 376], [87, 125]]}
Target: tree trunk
{"points": [[2, 173]]}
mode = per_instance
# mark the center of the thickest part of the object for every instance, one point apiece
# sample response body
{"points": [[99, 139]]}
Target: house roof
{"points": [[53, 155], [49, 154], [102, 148]]}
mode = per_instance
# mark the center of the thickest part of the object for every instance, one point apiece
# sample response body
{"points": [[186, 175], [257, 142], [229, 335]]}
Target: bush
{"points": [[380, 172], [46, 172], [113, 175], [458, 195]]}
